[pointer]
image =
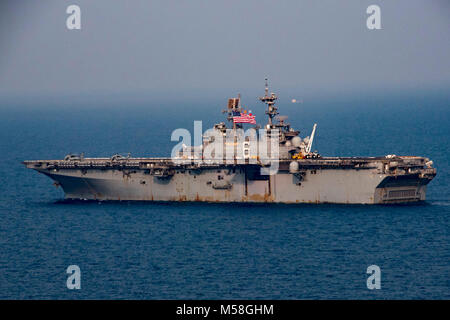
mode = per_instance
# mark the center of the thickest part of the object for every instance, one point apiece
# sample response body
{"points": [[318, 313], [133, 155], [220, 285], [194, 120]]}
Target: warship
{"points": [[292, 174]]}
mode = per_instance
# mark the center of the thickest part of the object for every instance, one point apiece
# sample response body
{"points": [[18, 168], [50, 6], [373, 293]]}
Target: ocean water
{"points": [[129, 250]]}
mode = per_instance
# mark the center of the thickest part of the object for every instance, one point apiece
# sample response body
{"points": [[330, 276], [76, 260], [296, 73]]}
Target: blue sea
{"points": [[129, 250]]}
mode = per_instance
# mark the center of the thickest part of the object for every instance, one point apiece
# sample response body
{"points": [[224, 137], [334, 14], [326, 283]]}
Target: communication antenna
{"points": [[270, 101], [266, 88]]}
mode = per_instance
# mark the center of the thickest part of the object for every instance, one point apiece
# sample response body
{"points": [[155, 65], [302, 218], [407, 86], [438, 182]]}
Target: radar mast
{"points": [[270, 101]]}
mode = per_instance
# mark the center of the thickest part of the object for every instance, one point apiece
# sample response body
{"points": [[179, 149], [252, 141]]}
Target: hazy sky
{"points": [[174, 46]]}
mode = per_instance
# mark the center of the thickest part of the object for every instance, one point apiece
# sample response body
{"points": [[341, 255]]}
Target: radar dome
{"points": [[296, 141], [293, 167]]}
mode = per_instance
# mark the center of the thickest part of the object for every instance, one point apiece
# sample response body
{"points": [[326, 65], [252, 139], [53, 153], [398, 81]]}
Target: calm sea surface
{"points": [[189, 250]]}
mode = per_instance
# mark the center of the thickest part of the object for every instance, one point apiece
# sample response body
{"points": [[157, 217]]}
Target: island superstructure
{"points": [[301, 176]]}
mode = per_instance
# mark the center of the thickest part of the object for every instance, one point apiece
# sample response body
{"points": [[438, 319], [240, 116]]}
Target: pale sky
{"points": [[143, 46]]}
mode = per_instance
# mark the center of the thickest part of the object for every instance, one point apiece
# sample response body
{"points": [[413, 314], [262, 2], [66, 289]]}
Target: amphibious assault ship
{"points": [[193, 174]]}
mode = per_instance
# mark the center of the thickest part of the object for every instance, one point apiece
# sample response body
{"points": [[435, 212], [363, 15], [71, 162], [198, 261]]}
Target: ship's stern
{"points": [[406, 180]]}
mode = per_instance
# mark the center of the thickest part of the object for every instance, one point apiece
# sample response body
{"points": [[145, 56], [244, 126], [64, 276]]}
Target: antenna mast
{"points": [[270, 101]]}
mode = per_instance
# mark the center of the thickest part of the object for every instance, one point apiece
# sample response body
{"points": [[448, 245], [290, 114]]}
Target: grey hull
{"points": [[333, 180]]}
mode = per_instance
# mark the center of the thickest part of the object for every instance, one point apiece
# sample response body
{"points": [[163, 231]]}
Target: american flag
{"points": [[243, 118]]}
